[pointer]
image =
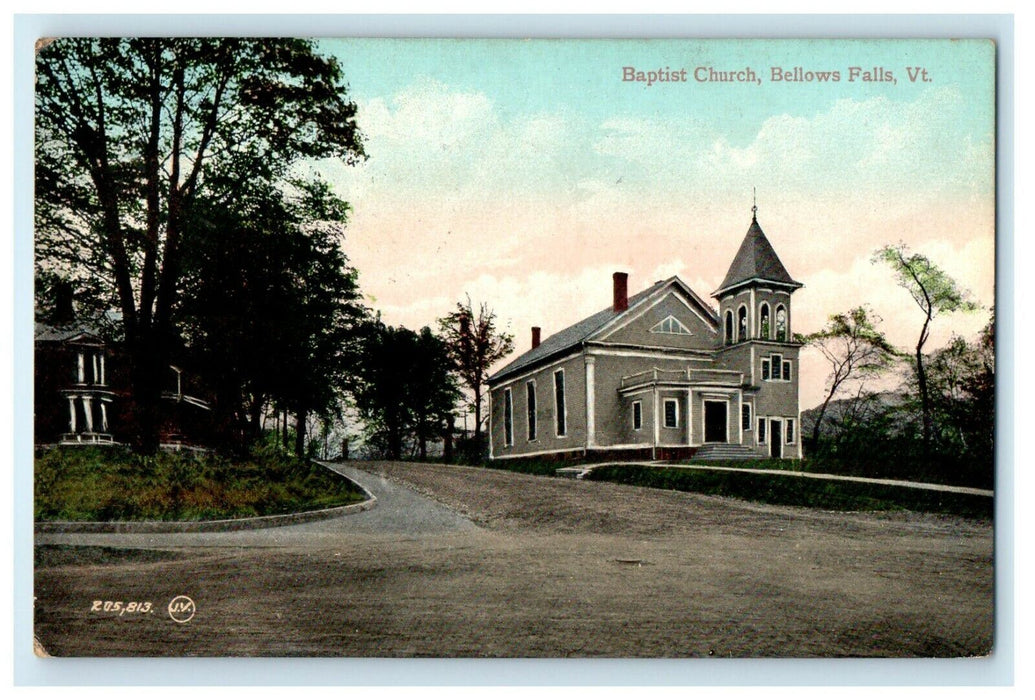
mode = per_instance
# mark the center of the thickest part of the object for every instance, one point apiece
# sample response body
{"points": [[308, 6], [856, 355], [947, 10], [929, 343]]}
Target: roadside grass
{"points": [[106, 484], [799, 491]]}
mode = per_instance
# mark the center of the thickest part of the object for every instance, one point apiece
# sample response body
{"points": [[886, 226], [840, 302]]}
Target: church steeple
{"points": [[755, 261]]}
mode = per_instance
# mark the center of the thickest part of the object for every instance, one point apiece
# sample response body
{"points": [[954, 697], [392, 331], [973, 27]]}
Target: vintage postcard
{"points": [[514, 348]]}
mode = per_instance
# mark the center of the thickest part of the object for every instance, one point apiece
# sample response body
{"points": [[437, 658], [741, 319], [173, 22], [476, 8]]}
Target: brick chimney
{"points": [[536, 333], [621, 287]]}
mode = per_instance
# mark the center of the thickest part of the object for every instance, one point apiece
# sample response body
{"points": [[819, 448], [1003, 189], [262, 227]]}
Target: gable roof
{"points": [[756, 260], [584, 330]]}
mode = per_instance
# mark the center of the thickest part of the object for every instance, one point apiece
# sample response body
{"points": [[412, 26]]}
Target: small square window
{"points": [[671, 413]]}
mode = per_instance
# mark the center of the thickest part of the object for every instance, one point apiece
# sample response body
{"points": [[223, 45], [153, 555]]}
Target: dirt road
{"points": [[551, 568]]}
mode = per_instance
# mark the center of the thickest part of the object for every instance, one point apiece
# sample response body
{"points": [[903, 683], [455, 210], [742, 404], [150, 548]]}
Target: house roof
{"points": [[95, 328], [756, 260], [576, 334]]}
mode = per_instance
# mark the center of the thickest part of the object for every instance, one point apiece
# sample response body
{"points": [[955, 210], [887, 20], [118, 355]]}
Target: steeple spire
{"points": [[754, 205]]}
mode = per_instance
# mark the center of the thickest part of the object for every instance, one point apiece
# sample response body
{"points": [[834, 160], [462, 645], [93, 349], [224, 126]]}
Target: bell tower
{"points": [[755, 296]]}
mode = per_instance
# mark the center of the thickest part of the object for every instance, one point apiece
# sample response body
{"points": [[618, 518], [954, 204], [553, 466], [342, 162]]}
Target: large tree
{"points": [[935, 293], [131, 132], [854, 348], [270, 305], [404, 389], [475, 344]]}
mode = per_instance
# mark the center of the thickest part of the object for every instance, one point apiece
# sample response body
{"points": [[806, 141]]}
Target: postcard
{"points": [[514, 348]]}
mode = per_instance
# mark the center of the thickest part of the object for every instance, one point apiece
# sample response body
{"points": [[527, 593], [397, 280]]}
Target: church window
{"points": [[729, 328], [781, 323], [671, 325], [508, 418], [742, 323], [671, 413], [763, 316]]}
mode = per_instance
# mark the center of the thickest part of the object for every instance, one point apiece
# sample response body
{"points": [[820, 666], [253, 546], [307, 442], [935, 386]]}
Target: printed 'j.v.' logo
{"points": [[182, 609]]}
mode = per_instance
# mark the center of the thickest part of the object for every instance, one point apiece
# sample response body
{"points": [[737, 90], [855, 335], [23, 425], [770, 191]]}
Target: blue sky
{"points": [[522, 173]]}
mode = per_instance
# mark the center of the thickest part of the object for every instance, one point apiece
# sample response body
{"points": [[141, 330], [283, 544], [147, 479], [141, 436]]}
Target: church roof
{"points": [[571, 336], [756, 260], [564, 341]]}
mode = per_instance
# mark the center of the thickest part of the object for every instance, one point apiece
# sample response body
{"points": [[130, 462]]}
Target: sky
{"points": [[523, 173]]}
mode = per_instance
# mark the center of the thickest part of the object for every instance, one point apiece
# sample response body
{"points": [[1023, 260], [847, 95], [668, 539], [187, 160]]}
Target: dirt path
{"points": [[556, 568]]}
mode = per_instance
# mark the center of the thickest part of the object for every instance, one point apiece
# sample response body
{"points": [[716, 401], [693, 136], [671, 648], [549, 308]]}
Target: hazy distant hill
{"points": [[839, 409]]}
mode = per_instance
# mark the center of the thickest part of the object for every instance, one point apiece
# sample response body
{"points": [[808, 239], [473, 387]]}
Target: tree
{"points": [[270, 305], [854, 348], [474, 345], [961, 377], [935, 293], [404, 389], [130, 132]]}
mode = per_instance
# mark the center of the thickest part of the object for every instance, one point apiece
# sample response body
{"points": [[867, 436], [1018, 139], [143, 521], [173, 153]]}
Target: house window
{"points": [[781, 323], [763, 315], [671, 413], [729, 328], [530, 394], [761, 431], [637, 407], [558, 398], [671, 325], [789, 423], [508, 418], [745, 416], [765, 370], [787, 370], [742, 323]]}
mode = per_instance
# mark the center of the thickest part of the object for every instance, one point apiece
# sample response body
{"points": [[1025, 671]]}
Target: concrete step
{"points": [[724, 451]]}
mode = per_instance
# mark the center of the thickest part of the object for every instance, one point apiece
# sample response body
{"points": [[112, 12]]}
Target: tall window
{"points": [[530, 393], [763, 316], [558, 394], [789, 423], [508, 418], [781, 323], [742, 323], [729, 328], [637, 415], [761, 431], [745, 416], [671, 413]]}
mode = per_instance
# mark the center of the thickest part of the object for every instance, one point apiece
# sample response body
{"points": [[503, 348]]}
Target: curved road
{"points": [[400, 512]]}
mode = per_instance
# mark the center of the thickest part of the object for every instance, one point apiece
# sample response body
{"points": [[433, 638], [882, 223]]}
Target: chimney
{"points": [[536, 331], [621, 285], [64, 308]]}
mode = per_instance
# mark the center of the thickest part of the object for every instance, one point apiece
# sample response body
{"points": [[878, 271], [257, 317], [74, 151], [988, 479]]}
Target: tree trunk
{"points": [[300, 421], [477, 415], [925, 407]]}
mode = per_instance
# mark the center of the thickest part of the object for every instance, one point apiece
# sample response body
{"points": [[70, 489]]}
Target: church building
{"points": [[662, 374]]}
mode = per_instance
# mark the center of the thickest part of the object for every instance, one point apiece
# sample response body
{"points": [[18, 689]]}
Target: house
{"points": [[662, 374], [81, 388]]}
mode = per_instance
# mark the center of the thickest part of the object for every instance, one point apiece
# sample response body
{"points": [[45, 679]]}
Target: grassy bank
{"points": [[799, 491], [103, 484]]}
